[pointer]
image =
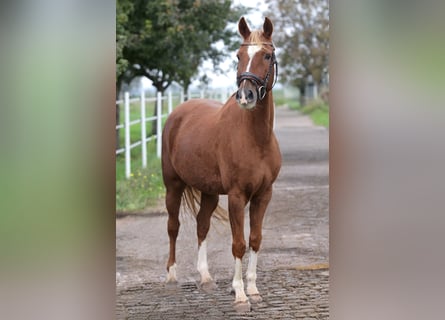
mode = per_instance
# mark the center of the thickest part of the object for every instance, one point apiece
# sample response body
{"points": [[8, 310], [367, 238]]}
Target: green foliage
{"points": [[305, 44], [279, 97], [123, 8], [280, 101], [320, 117], [314, 105], [145, 186], [293, 104], [318, 110], [168, 40], [143, 189], [286, 97]]}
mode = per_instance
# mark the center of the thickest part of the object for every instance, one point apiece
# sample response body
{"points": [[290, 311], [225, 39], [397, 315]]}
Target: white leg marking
{"points": [[203, 267], [238, 284], [251, 273], [171, 275]]}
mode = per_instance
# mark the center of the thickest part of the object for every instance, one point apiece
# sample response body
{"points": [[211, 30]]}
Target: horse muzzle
{"points": [[247, 95]]}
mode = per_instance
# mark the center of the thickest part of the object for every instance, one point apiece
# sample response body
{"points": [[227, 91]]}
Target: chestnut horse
{"points": [[210, 149]]}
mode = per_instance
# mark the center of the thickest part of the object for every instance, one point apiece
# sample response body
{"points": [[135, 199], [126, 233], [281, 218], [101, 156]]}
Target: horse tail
{"points": [[192, 200]]}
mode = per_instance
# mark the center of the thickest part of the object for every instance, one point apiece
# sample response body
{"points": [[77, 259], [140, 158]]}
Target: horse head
{"points": [[257, 64]]}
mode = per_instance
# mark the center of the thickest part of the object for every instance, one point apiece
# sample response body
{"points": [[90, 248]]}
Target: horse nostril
{"points": [[237, 95], [250, 95]]}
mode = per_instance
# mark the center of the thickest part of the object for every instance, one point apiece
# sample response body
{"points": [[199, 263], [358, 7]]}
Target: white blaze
{"points": [[251, 51]]}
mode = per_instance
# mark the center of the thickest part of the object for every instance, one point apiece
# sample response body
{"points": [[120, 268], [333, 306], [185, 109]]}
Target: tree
{"points": [[170, 39], [303, 39], [123, 8], [167, 40]]}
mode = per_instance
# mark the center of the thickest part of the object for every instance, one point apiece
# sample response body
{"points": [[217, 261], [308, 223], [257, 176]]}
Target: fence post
{"points": [[201, 94], [182, 95], [143, 130], [170, 102], [159, 125], [127, 135]]}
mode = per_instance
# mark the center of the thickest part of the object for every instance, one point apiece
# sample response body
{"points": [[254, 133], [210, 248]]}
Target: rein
{"points": [[261, 84]]}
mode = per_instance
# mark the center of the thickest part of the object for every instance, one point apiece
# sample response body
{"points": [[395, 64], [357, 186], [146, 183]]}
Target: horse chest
{"points": [[250, 169]]}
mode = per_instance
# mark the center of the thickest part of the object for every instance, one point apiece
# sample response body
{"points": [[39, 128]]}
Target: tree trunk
{"points": [[186, 90], [159, 88], [302, 95]]}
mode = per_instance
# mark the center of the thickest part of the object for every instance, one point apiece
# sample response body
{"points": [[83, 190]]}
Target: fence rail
{"points": [[221, 95]]}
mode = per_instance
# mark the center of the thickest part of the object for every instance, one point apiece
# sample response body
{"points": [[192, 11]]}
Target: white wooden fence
{"points": [[221, 95]]}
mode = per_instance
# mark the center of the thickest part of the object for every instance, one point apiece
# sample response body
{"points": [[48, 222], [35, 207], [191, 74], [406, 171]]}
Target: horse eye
{"points": [[267, 56], [237, 56]]}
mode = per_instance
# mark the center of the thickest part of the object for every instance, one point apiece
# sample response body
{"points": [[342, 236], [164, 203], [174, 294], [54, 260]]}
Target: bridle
{"points": [[260, 84]]}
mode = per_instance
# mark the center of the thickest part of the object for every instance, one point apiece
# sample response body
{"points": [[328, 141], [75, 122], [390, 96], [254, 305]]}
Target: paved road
{"points": [[293, 261]]}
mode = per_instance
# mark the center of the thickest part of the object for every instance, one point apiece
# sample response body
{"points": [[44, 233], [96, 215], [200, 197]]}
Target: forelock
{"points": [[256, 37]]}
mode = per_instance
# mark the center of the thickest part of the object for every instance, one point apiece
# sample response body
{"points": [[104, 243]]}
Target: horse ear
{"points": [[267, 28], [243, 28]]}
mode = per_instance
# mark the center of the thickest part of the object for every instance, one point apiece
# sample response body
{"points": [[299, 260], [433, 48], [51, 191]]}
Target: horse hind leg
{"points": [[207, 206], [173, 202]]}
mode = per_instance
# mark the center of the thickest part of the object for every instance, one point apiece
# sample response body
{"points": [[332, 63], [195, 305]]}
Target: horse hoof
{"points": [[171, 283], [241, 306], [255, 298], [208, 287]]}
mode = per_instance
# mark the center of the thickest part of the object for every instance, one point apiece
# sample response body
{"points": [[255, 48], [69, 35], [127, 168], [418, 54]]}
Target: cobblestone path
{"points": [[287, 294], [293, 262]]}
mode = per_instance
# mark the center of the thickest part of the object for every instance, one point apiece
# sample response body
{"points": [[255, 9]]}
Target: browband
{"points": [[258, 43]]}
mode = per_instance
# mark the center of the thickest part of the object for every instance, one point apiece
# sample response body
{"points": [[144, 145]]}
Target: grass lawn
{"points": [[319, 113], [317, 110], [145, 186], [320, 117]]}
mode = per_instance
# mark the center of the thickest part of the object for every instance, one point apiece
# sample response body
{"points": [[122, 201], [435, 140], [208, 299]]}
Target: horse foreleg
{"points": [[208, 205], [251, 276], [258, 206], [173, 202], [236, 215]]}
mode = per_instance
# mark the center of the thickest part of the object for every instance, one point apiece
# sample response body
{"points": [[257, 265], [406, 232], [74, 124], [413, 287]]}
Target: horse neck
{"points": [[257, 122], [263, 119]]}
